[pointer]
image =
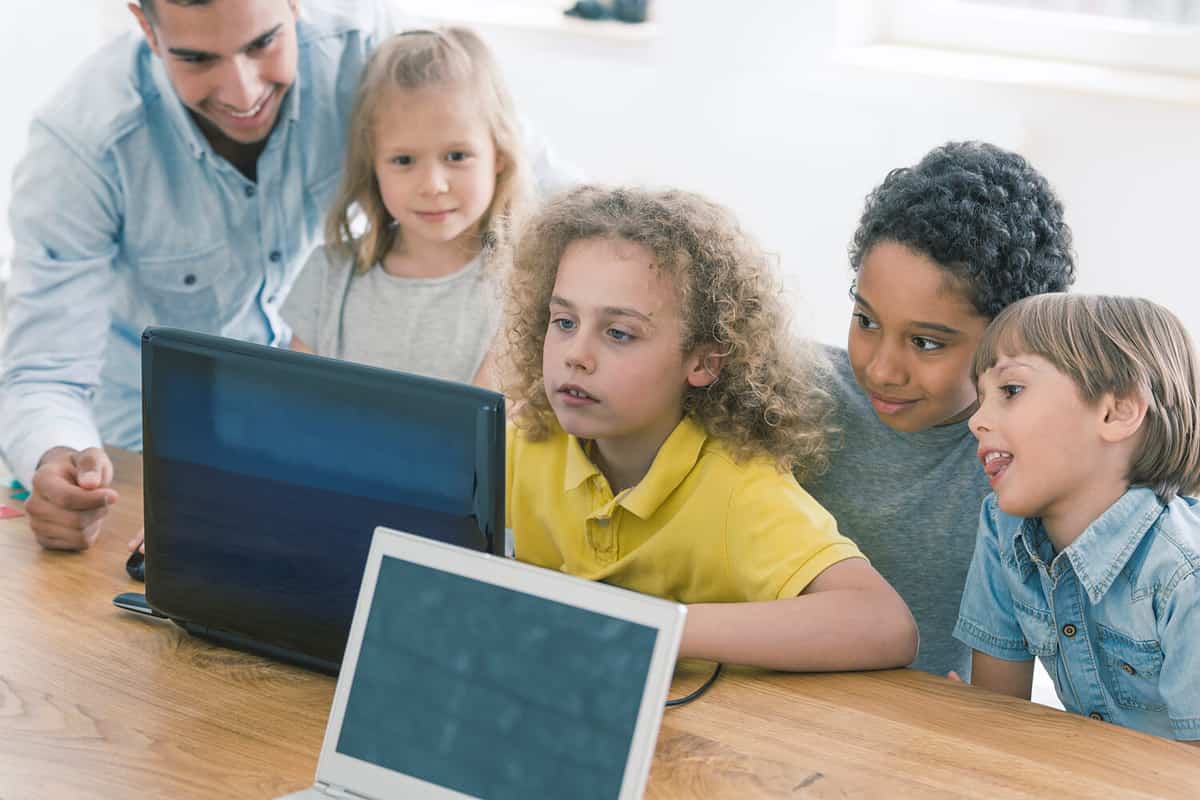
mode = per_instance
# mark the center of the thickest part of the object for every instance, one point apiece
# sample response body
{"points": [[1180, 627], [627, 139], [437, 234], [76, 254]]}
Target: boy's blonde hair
{"points": [[768, 396], [1123, 346], [449, 58]]}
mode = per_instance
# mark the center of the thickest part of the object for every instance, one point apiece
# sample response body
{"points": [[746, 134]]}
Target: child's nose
{"points": [[579, 356], [977, 423], [434, 179], [886, 367]]}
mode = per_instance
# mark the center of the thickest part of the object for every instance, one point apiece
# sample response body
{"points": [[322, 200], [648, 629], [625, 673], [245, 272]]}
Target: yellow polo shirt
{"points": [[698, 528]]}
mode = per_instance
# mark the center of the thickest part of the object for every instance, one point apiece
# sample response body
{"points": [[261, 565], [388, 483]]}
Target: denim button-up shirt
{"points": [[1114, 617], [123, 215]]}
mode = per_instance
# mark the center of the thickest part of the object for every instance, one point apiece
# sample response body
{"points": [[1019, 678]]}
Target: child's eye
{"points": [[926, 345], [402, 161], [457, 155], [263, 43], [563, 324], [1011, 390], [620, 335], [864, 321]]}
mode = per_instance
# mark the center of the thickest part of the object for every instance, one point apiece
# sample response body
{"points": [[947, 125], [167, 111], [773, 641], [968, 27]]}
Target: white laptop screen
{"points": [[493, 692]]}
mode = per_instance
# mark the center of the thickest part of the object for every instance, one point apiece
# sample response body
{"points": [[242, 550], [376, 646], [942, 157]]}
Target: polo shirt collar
{"points": [[675, 459]]}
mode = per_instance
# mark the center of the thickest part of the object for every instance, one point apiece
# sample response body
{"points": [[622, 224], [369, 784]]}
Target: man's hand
{"points": [[70, 497], [138, 542]]}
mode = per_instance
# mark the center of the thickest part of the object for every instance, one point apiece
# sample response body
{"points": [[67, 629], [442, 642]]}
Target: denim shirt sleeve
{"points": [[986, 621], [65, 221], [1179, 637]]}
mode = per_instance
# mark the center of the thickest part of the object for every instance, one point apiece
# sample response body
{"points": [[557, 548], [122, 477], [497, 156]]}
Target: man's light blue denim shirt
{"points": [[1114, 617], [123, 216]]}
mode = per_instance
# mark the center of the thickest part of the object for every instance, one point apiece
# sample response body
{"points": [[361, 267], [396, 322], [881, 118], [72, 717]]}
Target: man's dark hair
{"points": [[148, 5], [981, 213]]}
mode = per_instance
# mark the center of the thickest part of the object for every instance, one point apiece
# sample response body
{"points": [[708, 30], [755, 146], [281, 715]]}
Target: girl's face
{"points": [[613, 364], [912, 335], [436, 164]]}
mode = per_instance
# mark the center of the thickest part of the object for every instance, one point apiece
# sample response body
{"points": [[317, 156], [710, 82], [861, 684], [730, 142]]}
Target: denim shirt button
{"points": [[1129, 670], [1097, 715], [275, 256], [189, 279], [1068, 631], [250, 190]]}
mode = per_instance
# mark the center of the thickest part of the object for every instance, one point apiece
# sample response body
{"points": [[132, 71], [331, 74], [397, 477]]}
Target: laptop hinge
{"points": [[329, 790]]}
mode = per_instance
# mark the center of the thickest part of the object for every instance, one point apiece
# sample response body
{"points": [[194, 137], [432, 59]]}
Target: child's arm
{"points": [[847, 618], [299, 345], [1013, 678]]}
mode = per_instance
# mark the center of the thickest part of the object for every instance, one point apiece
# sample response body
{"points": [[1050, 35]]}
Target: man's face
{"points": [[231, 61]]}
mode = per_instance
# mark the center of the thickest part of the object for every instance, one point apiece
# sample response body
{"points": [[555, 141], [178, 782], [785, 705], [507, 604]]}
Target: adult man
{"points": [[177, 180]]}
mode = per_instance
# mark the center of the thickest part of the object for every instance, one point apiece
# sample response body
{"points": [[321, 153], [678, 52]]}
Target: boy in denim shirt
{"points": [[1088, 555]]}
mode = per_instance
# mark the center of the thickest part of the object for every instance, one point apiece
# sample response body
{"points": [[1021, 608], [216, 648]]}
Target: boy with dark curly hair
{"points": [[941, 249], [660, 406]]}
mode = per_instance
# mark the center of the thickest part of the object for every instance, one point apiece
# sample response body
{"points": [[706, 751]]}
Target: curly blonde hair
{"points": [[769, 397], [448, 58]]}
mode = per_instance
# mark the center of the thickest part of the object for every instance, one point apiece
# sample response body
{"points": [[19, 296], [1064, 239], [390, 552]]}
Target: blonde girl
{"points": [[434, 173], [661, 409]]}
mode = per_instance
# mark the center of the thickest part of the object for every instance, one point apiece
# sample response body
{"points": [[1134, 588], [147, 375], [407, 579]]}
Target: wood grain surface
{"points": [[97, 702]]}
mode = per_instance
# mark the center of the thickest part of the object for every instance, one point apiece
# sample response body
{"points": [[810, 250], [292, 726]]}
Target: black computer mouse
{"points": [[136, 566]]}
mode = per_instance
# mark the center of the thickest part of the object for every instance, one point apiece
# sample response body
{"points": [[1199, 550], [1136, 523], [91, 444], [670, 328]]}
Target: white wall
{"points": [[741, 101], [749, 108]]}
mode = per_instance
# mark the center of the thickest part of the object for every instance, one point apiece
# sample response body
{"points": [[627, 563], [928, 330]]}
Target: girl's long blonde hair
{"points": [[449, 58], [769, 397]]}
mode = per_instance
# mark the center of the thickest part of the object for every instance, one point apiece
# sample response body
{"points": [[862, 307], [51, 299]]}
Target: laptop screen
{"points": [[493, 692], [267, 472]]}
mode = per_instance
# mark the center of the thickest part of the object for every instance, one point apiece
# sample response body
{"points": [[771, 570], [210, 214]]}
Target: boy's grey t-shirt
{"points": [[911, 502], [439, 327]]}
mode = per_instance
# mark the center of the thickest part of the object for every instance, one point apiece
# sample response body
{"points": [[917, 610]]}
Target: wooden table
{"points": [[96, 702]]}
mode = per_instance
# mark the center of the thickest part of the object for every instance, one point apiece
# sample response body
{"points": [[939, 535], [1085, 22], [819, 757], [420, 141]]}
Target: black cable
{"points": [[704, 687]]}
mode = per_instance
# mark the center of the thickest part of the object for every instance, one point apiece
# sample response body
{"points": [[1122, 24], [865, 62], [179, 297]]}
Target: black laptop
{"points": [[267, 471]]}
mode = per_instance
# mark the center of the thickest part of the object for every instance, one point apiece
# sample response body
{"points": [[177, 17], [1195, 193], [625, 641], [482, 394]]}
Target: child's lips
{"points": [[995, 463], [888, 405], [573, 395]]}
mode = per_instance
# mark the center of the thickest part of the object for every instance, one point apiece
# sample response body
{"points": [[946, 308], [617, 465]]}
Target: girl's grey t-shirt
{"points": [[911, 502], [439, 327]]}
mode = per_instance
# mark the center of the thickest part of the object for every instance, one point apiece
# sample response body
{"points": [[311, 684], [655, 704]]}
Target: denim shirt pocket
{"points": [[183, 291], [1037, 625], [1130, 669]]}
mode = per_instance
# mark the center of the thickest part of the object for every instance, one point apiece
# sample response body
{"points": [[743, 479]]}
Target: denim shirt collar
{"points": [[181, 117], [1104, 547]]}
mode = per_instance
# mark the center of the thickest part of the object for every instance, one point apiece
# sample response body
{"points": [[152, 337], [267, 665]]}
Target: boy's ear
{"points": [[1122, 416], [146, 27], [704, 366]]}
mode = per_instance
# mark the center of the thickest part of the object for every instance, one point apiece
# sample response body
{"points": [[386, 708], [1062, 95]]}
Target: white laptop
{"points": [[472, 675]]}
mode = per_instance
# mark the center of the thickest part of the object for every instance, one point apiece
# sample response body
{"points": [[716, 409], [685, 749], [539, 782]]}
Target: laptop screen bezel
{"points": [[161, 347], [666, 617]]}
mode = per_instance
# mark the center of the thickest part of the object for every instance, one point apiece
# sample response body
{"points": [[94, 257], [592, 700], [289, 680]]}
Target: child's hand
{"points": [[952, 675]]}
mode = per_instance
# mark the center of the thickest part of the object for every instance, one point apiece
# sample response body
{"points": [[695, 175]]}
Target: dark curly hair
{"points": [[983, 214]]}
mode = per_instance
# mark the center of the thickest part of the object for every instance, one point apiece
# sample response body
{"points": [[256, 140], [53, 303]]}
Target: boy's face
{"points": [[436, 165], [1039, 442], [231, 61], [912, 335], [613, 364]]}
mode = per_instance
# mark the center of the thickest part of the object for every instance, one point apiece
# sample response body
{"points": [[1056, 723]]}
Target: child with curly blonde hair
{"points": [[661, 407]]}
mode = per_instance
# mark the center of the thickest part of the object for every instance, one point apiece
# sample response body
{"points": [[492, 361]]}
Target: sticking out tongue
{"points": [[996, 465]]}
